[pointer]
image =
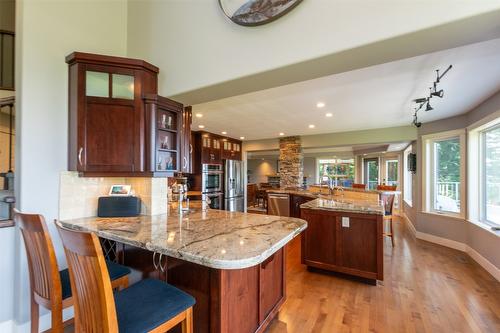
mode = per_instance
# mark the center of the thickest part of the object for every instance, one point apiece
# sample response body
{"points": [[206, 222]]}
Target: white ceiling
{"points": [[374, 97]]}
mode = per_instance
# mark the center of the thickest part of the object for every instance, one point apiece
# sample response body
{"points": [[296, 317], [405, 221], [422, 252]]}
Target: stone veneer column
{"points": [[291, 167]]}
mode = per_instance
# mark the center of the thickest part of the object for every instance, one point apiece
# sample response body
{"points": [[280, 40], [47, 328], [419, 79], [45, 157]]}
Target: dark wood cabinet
{"points": [[295, 202], [231, 149], [354, 247], [164, 125], [118, 125], [227, 300]]}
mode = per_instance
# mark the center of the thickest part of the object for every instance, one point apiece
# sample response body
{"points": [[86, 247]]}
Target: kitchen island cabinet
{"points": [[232, 263], [344, 236]]}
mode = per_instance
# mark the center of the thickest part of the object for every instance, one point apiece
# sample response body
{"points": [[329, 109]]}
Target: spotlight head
{"points": [[429, 107], [439, 93], [420, 100]]}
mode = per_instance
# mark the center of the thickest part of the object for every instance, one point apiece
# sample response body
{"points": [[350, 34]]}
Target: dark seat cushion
{"points": [[115, 271], [148, 304]]}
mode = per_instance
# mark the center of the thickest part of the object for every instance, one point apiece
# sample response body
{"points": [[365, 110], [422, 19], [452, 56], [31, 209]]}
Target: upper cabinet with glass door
{"points": [[108, 134]]}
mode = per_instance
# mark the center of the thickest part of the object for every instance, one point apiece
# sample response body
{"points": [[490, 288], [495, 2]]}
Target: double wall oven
{"points": [[212, 177]]}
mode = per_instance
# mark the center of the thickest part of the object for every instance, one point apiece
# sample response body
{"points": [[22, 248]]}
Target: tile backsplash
{"points": [[78, 195]]}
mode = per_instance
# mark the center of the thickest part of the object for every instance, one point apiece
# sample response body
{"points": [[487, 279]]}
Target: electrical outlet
{"points": [[345, 222]]}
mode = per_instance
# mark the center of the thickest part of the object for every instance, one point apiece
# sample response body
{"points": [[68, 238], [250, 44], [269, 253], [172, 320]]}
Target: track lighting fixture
{"points": [[429, 107], [433, 92]]}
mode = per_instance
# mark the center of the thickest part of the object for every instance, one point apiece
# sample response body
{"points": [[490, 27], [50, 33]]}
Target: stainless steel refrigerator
{"points": [[234, 200]]}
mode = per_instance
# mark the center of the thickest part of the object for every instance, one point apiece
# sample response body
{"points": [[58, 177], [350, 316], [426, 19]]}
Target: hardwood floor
{"points": [[426, 288]]}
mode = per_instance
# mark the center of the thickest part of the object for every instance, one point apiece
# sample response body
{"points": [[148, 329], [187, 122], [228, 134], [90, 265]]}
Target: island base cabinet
{"points": [[350, 243], [227, 300]]}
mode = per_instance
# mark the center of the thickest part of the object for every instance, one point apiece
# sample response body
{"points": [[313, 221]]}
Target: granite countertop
{"points": [[213, 238], [304, 193], [345, 205]]}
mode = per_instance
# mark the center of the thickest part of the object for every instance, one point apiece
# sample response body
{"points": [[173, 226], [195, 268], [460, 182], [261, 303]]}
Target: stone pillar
{"points": [[291, 167]]}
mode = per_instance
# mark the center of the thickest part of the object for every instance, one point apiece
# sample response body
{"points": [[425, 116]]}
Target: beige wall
{"points": [[261, 168], [48, 30], [485, 242]]}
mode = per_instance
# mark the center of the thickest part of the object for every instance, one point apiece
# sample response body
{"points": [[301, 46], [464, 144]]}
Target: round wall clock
{"points": [[256, 12]]}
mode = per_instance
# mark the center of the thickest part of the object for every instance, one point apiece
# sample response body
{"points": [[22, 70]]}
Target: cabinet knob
{"points": [[80, 151]]}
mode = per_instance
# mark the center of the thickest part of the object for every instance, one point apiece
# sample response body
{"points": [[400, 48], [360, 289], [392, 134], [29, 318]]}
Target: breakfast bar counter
{"points": [[232, 263]]}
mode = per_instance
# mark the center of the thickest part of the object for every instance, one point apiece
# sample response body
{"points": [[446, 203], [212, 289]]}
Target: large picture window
{"points": [[490, 182], [340, 170], [444, 173]]}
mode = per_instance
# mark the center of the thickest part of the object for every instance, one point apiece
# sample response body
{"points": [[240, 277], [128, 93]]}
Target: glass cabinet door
{"points": [[122, 86], [96, 84]]}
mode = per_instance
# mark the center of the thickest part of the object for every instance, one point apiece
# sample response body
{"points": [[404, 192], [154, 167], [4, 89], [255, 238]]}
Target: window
{"points": [[444, 173], [340, 170], [408, 178], [391, 172], [490, 182], [371, 172]]}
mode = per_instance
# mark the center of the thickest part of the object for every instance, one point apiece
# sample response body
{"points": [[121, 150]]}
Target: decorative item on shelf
{"points": [[165, 144], [166, 122], [120, 190], [433, 92], [170, 163], [256, 12]]}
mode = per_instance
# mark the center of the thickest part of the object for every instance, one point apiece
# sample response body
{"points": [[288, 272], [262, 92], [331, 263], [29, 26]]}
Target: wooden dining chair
{"points": [[386, 188], [50, 287], [388, 202], [354, 185], [146, 306]]}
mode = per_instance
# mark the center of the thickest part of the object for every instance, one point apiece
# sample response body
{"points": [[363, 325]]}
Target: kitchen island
{"points": [[232, 263], [344, 235]]}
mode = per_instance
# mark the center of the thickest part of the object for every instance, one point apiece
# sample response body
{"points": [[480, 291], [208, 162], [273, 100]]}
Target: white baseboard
{"points": [[484, 263], [442, 241], [476, 256], [7, 326]]}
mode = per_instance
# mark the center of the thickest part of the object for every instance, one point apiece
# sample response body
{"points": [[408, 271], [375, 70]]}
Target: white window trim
{"points": [[407, 177], [475, 172], [426, 166]]}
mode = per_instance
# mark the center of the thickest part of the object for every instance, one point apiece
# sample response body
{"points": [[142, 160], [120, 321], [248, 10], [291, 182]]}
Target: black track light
{"points": [[439, 93], [429, 107]]}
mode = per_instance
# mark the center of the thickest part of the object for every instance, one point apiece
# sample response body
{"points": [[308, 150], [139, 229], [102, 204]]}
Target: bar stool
{"points": [[360, 186], [388, 201], [50, 287], [147, 306]]}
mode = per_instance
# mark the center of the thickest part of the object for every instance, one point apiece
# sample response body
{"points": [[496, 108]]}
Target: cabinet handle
{"points": [[154, 261], [80, 151], [185, 163], [190, 148]]}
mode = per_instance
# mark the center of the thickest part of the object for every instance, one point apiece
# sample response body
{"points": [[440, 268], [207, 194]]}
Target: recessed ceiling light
{"points": [[281, 134], [201, 126], [311, 126], [242, 138], [224, 132], [320, 105], [329, 114], [199, 115]]}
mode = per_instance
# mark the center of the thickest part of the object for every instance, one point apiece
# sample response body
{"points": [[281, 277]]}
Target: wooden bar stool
{"points": [[50, 287], [361, 186], [388, 201], [147, 306]]}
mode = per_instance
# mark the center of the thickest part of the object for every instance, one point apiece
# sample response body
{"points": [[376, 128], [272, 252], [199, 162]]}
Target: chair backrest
{"points": [[388, 201], [354, 185], [90, 284], [386, 188], [42, 262]]}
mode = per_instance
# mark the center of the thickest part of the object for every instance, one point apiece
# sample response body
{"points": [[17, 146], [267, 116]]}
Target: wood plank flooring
{"points": [[426, 288]]}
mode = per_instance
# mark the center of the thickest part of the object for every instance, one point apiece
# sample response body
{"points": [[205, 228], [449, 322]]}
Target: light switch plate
{"points": [[345, 222]]}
